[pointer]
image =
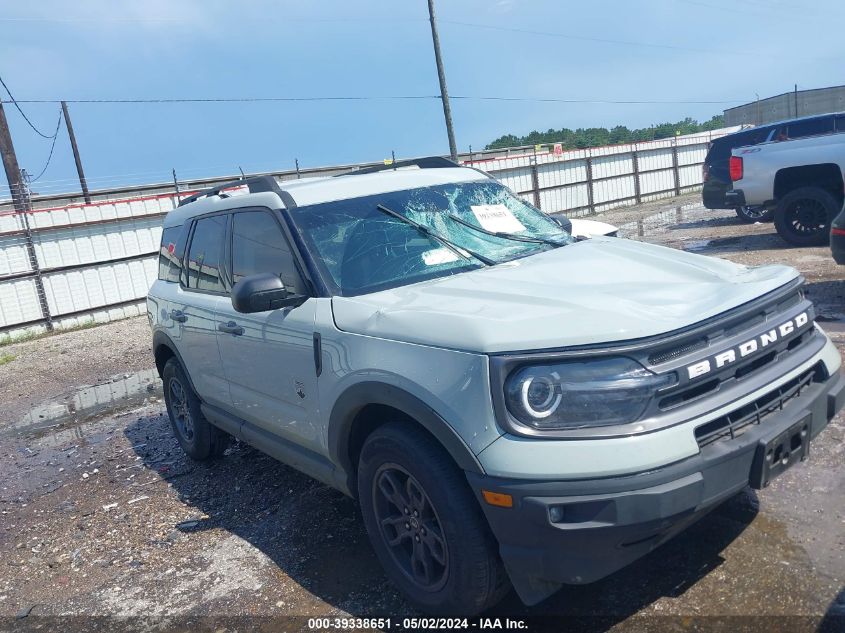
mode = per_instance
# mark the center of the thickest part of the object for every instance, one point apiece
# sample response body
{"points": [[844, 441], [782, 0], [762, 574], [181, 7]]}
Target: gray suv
{"points": [[510, 405]]}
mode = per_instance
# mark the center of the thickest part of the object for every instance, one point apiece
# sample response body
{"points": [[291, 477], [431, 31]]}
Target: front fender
{"points": [[361, 394]]}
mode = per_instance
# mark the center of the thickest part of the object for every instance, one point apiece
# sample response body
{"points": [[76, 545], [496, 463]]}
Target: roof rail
{"points": [[427, 162], [256, 184]]}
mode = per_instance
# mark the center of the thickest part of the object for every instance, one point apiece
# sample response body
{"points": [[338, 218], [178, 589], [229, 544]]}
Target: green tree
{"points": [[596, 136]]}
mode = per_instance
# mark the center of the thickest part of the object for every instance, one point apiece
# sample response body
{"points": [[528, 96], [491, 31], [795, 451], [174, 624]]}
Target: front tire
{"points": [[803, 216], [751, 214], [199, 438], [426, 526]]}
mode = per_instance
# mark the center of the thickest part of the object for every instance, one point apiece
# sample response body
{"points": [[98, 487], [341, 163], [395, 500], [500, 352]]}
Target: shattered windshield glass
{"points": [[362, 249]]}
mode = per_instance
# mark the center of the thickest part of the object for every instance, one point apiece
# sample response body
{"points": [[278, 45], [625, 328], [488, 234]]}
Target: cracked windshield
{"points": [[363, 245]]}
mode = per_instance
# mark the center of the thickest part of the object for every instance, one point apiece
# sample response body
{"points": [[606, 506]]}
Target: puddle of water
{"points": [[695, 245], [87, 403], [664, 220]]}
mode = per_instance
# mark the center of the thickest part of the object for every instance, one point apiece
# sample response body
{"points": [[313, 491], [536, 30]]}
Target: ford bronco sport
{"points": [[510, 405]]}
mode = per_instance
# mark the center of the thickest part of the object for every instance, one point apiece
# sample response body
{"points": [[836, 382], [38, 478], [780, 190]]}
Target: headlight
{"points": [[573, 394]]}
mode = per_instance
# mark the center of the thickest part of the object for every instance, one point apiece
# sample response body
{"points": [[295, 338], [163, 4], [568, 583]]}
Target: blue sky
{"points": [[712, 50]]}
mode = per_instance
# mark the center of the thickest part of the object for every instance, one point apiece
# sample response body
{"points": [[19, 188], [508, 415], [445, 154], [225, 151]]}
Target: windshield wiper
{"points": [[502, 234], [458, 250]]}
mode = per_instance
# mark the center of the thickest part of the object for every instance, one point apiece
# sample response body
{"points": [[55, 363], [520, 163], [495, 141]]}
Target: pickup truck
{"points": [[801, 180]]}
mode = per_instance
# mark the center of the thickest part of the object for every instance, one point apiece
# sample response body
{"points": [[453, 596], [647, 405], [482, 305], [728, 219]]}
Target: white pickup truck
{"points": [[801, 180]]}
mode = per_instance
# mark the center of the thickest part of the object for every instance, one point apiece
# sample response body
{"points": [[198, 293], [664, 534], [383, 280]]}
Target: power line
{"points": [[370, 98], [97, 19], [234, 99], [52, 147], [15, 103], [608, 101]]}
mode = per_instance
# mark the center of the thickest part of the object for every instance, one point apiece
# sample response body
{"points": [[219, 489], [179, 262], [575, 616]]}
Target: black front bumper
{"points": [[606, 524]]}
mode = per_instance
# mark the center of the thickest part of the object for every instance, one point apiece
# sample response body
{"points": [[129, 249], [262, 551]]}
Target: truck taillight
{"points": [[735, 168]]}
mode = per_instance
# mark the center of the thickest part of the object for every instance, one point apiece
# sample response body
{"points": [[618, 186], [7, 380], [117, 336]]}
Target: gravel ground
{"points": [[103, 515]]}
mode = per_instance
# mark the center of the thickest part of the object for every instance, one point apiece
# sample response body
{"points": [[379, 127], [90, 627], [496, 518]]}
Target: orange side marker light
{"points": [[499, 499]]}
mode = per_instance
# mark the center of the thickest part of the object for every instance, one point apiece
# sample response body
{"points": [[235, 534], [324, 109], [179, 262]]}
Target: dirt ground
{"points": [[103, 515]]}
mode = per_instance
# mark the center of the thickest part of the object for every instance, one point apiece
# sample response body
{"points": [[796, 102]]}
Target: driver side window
{"points": [[259, 246]]}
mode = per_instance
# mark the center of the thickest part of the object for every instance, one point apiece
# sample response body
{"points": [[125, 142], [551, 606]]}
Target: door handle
{"points": [[178, 316], [230, 328]]}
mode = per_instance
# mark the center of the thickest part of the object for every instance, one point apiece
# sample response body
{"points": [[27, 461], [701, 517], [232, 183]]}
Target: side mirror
{"points": [[564, 222], [263, 292]]}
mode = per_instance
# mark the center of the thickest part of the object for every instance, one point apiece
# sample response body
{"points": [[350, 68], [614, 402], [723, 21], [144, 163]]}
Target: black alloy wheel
{"points": [[410, 527]]}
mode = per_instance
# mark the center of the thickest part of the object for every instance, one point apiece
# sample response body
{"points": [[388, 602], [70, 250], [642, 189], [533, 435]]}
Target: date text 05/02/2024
{"points": [[351, 624]]}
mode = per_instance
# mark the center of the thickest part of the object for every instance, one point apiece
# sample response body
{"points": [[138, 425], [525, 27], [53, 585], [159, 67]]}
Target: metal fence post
{"points": [[590, 204], [675, 170], [535, 180], [635, 159]]}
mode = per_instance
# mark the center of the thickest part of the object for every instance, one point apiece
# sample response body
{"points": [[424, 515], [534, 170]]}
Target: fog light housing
{"points": [[556, 514]]}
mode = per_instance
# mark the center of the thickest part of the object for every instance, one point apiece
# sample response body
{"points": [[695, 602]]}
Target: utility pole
{"points": [[20, 200], [82, 182], [10, 164], [441, 75]]}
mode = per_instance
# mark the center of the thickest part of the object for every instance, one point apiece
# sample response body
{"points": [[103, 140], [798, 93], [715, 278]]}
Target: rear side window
{"points": [[811, 127], [206, 253], [259, 246], [170, 254]]}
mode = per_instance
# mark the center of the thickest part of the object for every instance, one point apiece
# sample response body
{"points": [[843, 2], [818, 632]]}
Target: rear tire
{"points": [[199, 438], [803, 216], [426, 526], [751, 214]]}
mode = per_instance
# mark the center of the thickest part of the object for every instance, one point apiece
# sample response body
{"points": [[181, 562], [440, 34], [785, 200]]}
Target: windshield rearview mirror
{"points": [[263, 292]]}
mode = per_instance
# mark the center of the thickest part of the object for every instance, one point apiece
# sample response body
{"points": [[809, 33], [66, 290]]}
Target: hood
{"points": [[595, 291]]}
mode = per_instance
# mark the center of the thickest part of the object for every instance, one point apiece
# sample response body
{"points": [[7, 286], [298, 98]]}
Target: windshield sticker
{"points": [[439, 256], [497, 218]]}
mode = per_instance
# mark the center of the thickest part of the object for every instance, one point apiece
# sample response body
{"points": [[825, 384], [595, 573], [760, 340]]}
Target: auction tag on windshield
{"points": [[438, 256], [497, 218]]}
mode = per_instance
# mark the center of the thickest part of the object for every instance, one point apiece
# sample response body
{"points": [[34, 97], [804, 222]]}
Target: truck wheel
{"points": [[425, 525], [197, 436], [755, 214], [803, 216]]}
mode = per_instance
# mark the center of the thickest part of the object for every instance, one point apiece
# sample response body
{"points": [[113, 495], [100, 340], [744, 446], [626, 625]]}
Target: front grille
{"points": [[696, 390], [737, 422]]}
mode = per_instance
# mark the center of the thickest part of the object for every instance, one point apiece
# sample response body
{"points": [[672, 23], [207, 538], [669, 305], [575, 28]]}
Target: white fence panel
{"points": [[614, 189], [100, 211], [88, 288], [654, 159], [654, 181], [97, 243], [18, 302], [690, 176], [13, 255]]}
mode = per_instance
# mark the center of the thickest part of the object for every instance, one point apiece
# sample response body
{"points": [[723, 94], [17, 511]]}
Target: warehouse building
{"points": [[788, 105]]}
